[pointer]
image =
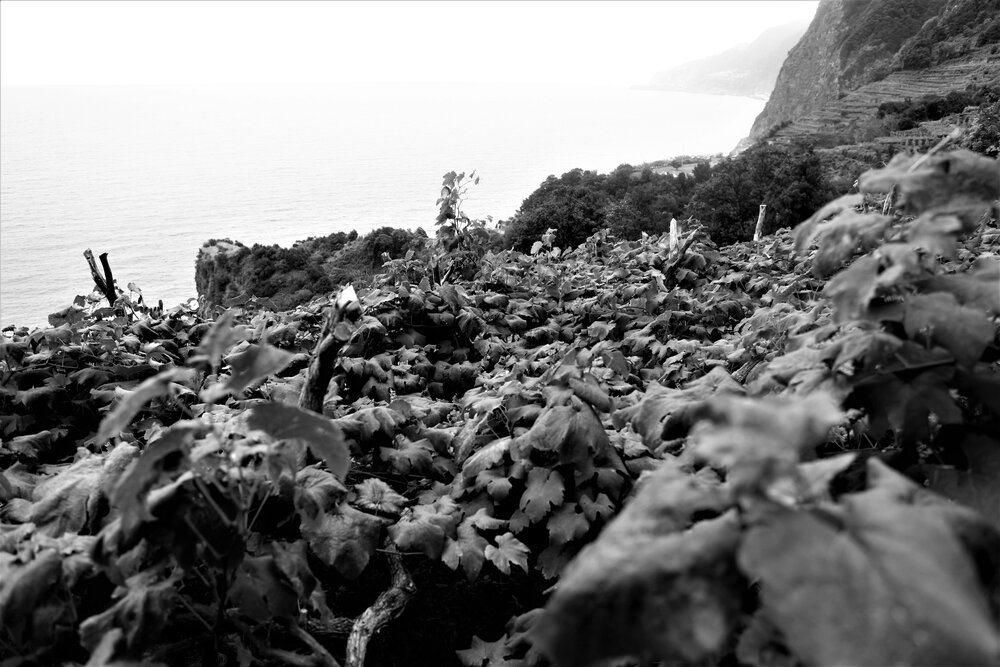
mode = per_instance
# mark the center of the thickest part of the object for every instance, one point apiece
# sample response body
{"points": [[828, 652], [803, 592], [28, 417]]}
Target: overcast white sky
{"points": [[216, 42]]}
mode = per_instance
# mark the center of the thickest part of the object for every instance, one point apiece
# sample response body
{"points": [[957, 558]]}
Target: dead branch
{"points": [[388, 606], [105, 282]]}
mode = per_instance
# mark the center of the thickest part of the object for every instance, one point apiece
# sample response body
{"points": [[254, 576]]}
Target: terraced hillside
{"points": [[848, 115]]}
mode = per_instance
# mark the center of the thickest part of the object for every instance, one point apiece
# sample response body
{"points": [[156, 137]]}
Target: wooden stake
{"points": [[759, 231]]}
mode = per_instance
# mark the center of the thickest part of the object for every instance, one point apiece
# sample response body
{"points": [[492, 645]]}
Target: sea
{"points": [[147, 174]]}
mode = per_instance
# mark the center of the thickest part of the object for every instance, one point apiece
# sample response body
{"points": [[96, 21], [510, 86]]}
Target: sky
{"points": [[154, 42]]}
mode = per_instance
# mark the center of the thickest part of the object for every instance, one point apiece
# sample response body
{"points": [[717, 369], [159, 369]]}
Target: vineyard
{"points": [[771, 454]]}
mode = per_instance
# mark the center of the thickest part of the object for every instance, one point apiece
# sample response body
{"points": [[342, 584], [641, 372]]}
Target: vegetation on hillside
{"points": [[622, 450], [628, 201], [983, 135], [291, 276], [877, 30], [952, 33], [908, 113], [789, 179]]}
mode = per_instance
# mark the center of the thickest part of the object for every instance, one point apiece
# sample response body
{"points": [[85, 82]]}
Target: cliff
{"points": [[857, 54], [748, 70], [227, 271]]}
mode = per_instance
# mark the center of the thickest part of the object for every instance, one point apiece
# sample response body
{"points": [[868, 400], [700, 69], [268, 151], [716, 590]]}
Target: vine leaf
{"points": [[497, 484], [374, 494], [508, 551], [491, 654], [976, 289], [652, 584], [220, 338], [28, 609], [345, 540], [760, 441], [261, 590], [70, 500], [248, 366], [323, 436], [665, 413], [142, 613], [409, 457], [963, 331], [880, 583], [468, 550], [843, 236], [317, 492], [567, 524], [959, 183], [852, 289], [424, 527], [597, 508], [161, 384], [160, 460], [544, 489], [976, 487], [487, 457]]}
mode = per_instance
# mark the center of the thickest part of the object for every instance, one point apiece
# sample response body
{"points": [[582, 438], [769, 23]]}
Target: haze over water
{"points": [[148, 173]]}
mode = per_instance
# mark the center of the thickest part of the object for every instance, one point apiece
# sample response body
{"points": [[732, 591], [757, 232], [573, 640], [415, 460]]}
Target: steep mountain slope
{"points": [[749, 70], [848, 44]]}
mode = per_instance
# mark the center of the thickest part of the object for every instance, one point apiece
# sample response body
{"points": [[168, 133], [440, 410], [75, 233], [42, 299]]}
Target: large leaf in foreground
{"points": [[345, 541], [247, 367], [287, 422], [161, 384], [880, 583], [651, 585], [979, 486], [71, 500]]}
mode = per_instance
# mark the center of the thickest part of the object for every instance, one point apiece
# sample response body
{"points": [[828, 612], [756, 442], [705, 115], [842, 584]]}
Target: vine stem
{"points": [[388, 606], [334, 335]]}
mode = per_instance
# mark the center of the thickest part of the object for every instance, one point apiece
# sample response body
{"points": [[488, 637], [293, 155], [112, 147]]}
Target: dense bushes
{"points": [[628, 201], [788, 178]]}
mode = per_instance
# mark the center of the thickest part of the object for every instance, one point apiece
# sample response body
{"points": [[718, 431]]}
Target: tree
{"points": [[788, 178]]}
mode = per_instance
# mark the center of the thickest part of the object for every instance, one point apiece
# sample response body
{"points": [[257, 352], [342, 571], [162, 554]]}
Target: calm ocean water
{"points": [[148, 173]]}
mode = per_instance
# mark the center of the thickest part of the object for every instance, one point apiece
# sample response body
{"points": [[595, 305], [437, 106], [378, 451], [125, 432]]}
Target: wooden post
{"points": [[674, 233], [759, 231]]}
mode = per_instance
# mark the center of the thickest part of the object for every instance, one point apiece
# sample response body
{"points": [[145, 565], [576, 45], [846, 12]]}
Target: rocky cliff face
{"points": [[851, 43]]}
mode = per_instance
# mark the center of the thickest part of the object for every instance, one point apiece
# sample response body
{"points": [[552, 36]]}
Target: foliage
{"points": [[957, 29], [877, 30], [908, 113], [984, 133], [690, 445], [789, 179], [628, 201], [291, 276], [845, 578]]}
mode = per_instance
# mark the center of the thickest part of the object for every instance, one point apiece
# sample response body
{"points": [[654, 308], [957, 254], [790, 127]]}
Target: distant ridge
{"points": [[749, 70]]}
